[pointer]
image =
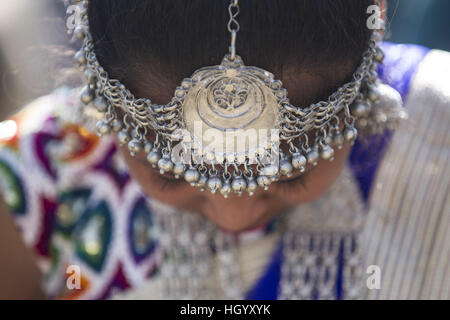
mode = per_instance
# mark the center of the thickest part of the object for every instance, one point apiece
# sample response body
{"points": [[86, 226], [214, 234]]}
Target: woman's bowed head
{"points": [[227, 149], [170, 94]]}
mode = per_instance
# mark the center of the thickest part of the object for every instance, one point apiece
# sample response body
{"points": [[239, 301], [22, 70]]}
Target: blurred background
{"points": [[424, 22], [35, 54]]}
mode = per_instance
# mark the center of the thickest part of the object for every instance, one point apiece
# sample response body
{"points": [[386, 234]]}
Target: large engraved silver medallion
{"points": [[231, 111]]}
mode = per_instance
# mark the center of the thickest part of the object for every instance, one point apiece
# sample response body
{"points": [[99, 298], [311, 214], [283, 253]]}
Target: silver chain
{"points": [[233, 26]]}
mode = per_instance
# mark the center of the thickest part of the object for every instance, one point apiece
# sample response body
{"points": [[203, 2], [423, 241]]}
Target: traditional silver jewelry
{"points": [[233, 100]]}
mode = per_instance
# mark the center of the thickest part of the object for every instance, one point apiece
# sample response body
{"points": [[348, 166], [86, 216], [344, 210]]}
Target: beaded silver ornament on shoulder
{"points": [[227, 88]]}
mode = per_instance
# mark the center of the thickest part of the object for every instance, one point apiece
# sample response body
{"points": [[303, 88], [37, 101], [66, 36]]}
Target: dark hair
{"points": [[172, 38]]}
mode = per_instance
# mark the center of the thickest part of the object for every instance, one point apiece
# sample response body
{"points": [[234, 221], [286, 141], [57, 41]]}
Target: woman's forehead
{"points": [[306, 84]]}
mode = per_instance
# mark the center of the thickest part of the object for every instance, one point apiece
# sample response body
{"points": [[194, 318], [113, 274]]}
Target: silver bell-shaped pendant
{"points": [[379, 55], [350, 134], [252, 186], [134, 146], [153, 157], [264, 181], [116, 125], [178, 170], [103, 128], [226, 189], [286, 168], [360, 108], [79, 32], [148, 147], [123, 137], [214, 183], [80, 58], [338, 140], [326, 152], [192, 176], [101, 104], [299, 161], [239, 185], [202, 181], [87, 95], [165, 164], [90, 76], [312, 156]]}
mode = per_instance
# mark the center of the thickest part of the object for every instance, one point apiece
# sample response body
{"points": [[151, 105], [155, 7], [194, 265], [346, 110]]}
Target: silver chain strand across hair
{"points": [[232, 97]]}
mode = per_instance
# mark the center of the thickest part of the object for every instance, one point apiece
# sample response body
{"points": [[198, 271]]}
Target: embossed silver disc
{"points": [[231, 109]]}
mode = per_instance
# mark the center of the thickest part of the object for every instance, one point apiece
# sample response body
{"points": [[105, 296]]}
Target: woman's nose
{"points": [[236, 213]]}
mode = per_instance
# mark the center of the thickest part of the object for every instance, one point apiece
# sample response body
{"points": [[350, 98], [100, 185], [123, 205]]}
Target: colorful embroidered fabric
{"points": [[74, 201]]}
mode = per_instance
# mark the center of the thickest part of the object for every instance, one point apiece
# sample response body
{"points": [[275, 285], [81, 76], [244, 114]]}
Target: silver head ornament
{"points": [[231, 128]]}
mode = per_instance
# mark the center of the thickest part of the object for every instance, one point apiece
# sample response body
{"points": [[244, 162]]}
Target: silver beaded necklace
{"points": [[320, 240]]}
